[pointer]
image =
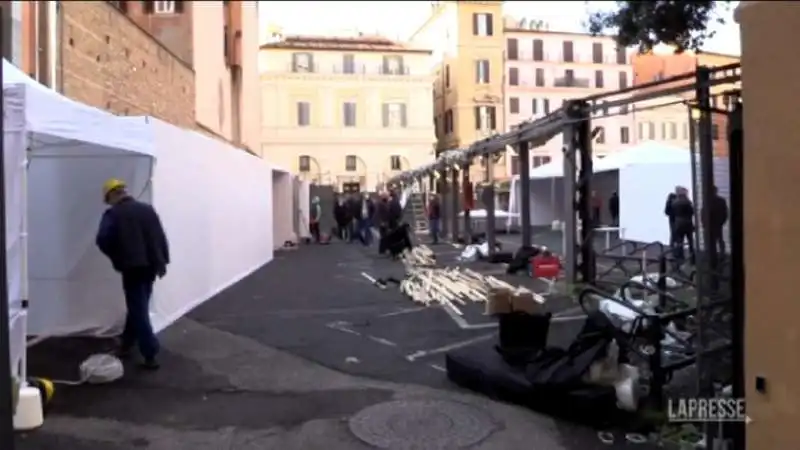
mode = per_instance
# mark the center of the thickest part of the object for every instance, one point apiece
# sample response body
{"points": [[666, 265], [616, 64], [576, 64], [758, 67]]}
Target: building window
{"points": [[623, 110], [482, 24], [540, 161], [512, 49], [641, 131], [513, 105], [394, 115], [448, 121], [539, 77], [686, 132], [534, 107], [515, 165], [597, 52], [568, 49], [482, 71], [715, 132], [673, 130], [302, 62], [623, 80], [538, 50], [622, 56], [393, 65], [350, 163], [651, 131], [601, 135], [663, 131], [304, 163], [447, 76], [569, 77], [513, 76], [598, 79], [349, 114], [395, 162], [485, 118], [546, 105], [624, 135], [165, 7], [348, 64], [303, 114]]}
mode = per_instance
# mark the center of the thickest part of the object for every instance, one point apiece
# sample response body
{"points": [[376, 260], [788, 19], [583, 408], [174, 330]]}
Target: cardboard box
{"points": [[498, 301], [527, 302]]}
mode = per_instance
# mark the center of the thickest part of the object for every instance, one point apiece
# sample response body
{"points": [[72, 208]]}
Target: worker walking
{"points": [[131, 236]]}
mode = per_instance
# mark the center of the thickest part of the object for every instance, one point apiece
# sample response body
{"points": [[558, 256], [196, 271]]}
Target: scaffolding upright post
{"points": [[489, 203], [466, 187], [454, 195], [444, 205], [569, 227], [580, 112], [523, 155]]}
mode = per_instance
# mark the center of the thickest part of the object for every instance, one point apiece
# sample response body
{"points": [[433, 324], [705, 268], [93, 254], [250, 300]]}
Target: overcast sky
{"points": [[397, 19]]}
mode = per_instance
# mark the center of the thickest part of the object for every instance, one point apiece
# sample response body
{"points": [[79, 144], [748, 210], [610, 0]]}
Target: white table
{"points": [[608, 231]]}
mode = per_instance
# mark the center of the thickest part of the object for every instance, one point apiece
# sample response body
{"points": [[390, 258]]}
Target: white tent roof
{"points": [[650, 152], [60, 125]]}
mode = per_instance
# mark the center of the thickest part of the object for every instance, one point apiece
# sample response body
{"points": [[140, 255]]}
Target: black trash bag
{"points": [[522, 259], [522, 336]]}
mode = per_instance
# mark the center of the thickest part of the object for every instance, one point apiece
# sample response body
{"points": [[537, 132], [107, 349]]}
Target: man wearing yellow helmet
{"points": [[132, 237]]}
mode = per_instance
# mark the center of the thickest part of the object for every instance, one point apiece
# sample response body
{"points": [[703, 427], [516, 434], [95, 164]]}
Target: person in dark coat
{"points": [[353, 212], [364, 220], [682, 210], [132, 237], [395, 211], [718, 218], [340, 215], [670, 215], [434, 212], [382, 220], [613, 208]]}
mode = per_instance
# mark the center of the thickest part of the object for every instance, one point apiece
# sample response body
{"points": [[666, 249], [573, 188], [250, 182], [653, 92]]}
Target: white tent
{"points": [[215, 202], [642, 175], [57, 153]]}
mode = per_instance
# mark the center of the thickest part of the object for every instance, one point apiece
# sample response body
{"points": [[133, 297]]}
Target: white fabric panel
{"points": [[215, 203], [643, 189], [15, 145]]}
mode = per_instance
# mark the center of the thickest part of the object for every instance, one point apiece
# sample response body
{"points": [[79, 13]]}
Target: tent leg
{"points": [[523, 153]]}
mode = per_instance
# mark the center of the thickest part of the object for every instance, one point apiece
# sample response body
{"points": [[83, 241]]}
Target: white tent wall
{"points": [[643, 190], [215, 203], [304, 208], [548, 203], [284, 208]]}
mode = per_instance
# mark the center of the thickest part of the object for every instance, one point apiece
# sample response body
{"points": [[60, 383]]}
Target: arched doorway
{"points": [[354, 177]]}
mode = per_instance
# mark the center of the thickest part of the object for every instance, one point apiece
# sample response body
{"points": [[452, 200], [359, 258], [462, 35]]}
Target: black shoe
{"points": [[150, 364]]}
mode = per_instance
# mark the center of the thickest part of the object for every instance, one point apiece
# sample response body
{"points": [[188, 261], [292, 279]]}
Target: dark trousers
{"points": [[718, 240], [364, 228], [433, 227], [596, 217], [313, 228], [681, 235], [138, 288]]}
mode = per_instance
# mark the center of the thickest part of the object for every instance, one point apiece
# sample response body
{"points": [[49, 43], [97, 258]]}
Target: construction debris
{"points": [[451, 286]]}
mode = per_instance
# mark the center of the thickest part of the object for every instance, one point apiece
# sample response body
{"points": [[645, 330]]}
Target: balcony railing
{"points": [[572, 82], [343, 69], [555, 57]]}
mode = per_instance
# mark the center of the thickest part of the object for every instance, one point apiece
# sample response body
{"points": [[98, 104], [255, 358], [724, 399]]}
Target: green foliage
{"points": [[645, 24]]}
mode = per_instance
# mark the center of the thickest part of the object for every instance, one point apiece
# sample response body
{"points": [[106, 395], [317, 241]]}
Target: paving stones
{"points": [[422, 425]]}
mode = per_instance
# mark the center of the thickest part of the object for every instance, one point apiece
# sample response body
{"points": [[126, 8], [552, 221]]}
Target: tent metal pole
{"points": [[6, 399]]}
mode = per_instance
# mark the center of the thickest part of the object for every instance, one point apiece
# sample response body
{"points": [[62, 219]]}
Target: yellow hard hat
{"points": [[112, 184]]}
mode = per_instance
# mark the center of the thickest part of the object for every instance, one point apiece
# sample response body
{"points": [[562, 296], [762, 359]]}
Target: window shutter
{"points": [[148, 7], [477, 71], [403, 116], [492, 118], [475, 24], [385, 115], [294, 62], [487, 75], [178, 7], [477, 117], [385, 65], [489, 25]]}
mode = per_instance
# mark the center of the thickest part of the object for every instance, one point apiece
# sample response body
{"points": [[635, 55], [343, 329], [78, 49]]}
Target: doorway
{"points": [[351, 188]]}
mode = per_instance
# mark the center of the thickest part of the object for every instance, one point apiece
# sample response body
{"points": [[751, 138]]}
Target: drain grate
{"points": [[422, 424]]}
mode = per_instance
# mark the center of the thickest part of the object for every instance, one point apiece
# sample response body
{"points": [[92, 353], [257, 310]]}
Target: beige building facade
{"points": [[349, 111], [771, 86], [665, 119], [546, 68]]}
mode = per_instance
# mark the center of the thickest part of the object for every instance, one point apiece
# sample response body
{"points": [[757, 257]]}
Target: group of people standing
{"points": [[356, 215], [680, 212]]}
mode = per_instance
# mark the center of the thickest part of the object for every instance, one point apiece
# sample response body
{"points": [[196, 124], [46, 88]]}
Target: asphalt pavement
{"points": [[303, 354]]}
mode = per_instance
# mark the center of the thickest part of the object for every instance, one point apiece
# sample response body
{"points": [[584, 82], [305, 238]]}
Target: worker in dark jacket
{"points": [[341, 215], [132, 237], [434, 212], [395, 211], [670, 215], [718, 219], [682, 210]]}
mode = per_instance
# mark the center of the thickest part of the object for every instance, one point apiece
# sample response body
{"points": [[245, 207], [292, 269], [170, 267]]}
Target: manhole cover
{"points": [[422, 425]]}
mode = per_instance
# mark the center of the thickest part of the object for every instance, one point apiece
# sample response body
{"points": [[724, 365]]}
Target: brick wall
{"points": [[110, 62]]}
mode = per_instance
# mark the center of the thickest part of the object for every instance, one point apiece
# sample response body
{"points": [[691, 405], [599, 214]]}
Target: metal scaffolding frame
{"points": [[574, 121]]}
